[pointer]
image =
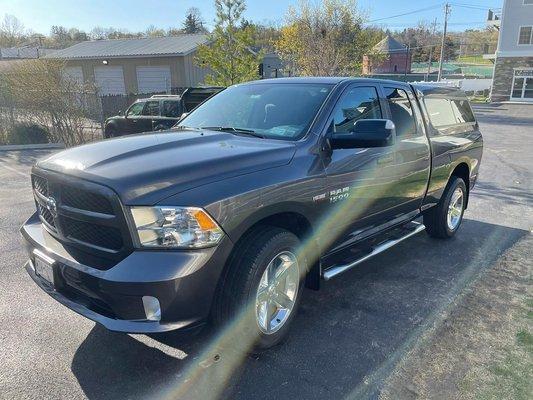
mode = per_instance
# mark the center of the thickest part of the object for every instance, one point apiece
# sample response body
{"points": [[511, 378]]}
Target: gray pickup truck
{"points": [[263, 189]]}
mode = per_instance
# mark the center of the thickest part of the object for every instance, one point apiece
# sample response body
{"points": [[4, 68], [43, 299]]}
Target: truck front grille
{"points": [[98, 235], [83, 215], [77, 198], [40, 185]]}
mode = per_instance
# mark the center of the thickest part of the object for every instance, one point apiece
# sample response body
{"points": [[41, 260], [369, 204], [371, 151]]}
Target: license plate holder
{"points": [[44, 267]]}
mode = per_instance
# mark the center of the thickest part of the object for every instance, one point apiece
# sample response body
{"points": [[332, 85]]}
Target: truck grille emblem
{"points": [[51, 206]]}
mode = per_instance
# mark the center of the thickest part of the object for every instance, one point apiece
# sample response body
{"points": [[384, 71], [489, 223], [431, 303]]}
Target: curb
{"points": [[42, 146]]}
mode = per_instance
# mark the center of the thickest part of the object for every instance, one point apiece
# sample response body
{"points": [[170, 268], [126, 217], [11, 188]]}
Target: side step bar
{"points": [[339, 269]]}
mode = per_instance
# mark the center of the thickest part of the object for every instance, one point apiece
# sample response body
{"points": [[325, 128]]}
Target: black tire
{"points": [[235, 309], [110, 132], [435, 219]]}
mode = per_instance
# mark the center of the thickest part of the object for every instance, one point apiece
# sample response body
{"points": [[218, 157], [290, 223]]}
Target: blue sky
{"points": [[134, 15]]}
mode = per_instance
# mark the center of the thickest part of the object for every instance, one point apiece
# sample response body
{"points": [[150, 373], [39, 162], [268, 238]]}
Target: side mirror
{"points": [[183, 115], [120, 112], [365, 133]]}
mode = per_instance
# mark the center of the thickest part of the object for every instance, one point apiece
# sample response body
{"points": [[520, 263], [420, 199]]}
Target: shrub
{"points": [[27, 134]]}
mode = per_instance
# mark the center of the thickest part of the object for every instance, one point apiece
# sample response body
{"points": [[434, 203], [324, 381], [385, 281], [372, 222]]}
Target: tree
{"points": [[60, 35], [229, 54], [193, 21], [12, 32], [47, 97], [324, 39], [420, 39]]}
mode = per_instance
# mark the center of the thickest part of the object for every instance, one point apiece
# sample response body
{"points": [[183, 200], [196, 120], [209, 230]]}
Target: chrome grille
{"points": [[40, 185]]}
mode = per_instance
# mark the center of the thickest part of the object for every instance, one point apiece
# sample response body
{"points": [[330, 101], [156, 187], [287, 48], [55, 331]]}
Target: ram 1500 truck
{"points": [[264, 188]]}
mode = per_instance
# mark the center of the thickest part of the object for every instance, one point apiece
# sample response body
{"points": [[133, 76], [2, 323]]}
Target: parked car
{"points": [[156, 113], [264, 188]]}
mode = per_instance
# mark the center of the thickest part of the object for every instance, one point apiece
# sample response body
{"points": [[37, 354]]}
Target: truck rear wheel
{"points": [[262, 289], [443, 220]]}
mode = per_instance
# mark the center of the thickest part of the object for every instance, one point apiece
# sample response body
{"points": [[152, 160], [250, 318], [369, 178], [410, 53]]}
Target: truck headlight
{"points": [[175, 227]]}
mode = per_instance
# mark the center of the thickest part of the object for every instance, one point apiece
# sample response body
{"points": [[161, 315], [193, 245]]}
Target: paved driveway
{"points": [[345, 340]]}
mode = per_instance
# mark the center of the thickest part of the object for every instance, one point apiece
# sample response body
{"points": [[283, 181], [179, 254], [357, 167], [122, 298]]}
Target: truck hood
{"points": [[145, 169]]}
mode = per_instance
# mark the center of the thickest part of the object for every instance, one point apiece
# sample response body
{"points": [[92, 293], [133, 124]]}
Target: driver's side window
{"points": [[136, 109], [355, 104]]}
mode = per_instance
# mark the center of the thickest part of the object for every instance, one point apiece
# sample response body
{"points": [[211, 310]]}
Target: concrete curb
{"points": [[42, 146]]}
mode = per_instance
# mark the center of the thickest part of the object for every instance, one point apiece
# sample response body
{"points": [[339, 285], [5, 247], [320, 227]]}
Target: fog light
{"points": [[152, 308]]}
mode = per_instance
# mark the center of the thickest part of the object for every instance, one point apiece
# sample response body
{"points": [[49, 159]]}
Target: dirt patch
{"points": [[483, 348]]}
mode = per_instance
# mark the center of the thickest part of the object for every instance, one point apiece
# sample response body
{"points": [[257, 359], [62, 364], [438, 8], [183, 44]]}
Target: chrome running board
{"points": [[339, 269]]}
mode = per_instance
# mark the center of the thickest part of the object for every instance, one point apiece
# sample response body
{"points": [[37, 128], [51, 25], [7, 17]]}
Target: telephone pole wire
{"points": [[447, 10]]}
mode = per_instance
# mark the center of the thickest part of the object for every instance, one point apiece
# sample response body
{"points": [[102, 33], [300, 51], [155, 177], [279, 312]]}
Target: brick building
{"points": [[392, 58]]}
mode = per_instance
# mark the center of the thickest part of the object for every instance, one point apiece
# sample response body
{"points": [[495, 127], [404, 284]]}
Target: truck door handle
{"points": [[386, 159]]}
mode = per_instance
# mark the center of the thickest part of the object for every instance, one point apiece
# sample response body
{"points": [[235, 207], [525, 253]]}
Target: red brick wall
{"points": [[401, 61]]}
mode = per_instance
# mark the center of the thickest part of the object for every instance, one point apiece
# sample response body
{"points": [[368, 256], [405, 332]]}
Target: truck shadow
{"points": [[345, 340]]}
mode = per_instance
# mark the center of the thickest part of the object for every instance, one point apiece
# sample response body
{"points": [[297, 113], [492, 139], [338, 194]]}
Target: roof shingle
{"points": [[389, 45]]}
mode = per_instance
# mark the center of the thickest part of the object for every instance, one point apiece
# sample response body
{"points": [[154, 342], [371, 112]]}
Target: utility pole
{"points": [[431, 49], [407, 61], [447, 11]]}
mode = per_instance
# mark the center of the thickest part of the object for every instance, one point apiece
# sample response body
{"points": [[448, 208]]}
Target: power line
{"points": [[407, 13], [474, 6]]}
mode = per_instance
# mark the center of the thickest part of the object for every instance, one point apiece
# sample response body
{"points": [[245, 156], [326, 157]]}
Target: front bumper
{"points": [[184, 282]]}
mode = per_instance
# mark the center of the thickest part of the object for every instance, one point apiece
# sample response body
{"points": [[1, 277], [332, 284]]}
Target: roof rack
{"points": [[164, 95]]}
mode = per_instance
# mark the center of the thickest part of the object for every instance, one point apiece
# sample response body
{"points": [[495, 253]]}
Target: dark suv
{"points": [[156, 113], [264, 188]]}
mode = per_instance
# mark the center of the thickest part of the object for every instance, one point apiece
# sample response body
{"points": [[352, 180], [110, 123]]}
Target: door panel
{"points": [[153, 79], [358, 180], [412, 158], [109, 80]]}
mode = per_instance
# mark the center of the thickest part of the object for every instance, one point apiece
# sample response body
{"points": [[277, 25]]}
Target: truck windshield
{"points": [[270, 110]]}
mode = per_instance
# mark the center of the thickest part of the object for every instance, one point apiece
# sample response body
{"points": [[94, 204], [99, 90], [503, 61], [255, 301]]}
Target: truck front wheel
{"points": [[262, 289], [443, 220]]}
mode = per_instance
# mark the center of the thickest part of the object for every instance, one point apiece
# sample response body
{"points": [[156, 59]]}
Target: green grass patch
{"points": [[474, 60]]}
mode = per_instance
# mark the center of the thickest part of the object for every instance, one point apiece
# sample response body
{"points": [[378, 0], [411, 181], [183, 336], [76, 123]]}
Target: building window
{"points": [[525, 35], [528, 2]]}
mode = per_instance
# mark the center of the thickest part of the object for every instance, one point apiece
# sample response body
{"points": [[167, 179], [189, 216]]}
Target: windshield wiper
{"points": [[233, 129], [184, 128]]}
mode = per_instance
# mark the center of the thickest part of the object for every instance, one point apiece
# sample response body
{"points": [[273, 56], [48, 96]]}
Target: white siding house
{"points": [[513, 69]]}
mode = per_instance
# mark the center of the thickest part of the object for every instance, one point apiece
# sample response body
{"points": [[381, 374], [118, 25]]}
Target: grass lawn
{"points": [[483, 347], [474, 60]]}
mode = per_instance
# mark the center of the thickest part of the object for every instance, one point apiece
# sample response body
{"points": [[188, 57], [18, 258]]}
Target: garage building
{"points": [[126, 66]]}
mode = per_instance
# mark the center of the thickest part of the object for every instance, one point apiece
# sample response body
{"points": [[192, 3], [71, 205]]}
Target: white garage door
{"points": [[74, 74], [109, 80], [153, 79]]}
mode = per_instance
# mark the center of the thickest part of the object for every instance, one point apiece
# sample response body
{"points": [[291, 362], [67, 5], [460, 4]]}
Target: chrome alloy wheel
{"points": [[277, 292], [455, 209]]}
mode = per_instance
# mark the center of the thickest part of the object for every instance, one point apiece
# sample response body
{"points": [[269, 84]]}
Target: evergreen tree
{"points": [[193, 21]]}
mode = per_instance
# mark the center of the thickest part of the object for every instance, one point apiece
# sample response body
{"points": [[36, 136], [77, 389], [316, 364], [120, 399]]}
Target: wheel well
{"points": [[300, 226], [462, 171]]}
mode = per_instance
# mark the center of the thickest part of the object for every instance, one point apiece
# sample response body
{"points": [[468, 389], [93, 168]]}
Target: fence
{"points": [[469, 86]]}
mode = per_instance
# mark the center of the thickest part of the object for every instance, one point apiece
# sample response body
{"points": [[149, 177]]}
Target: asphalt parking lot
{"points": [[345, 341]]}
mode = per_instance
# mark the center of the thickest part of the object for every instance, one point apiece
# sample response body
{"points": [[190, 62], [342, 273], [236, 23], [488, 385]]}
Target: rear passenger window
{"points": [[462, 111], [355, 104], [151, 108], [440, 111], [171, 109], [401, 111]]}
